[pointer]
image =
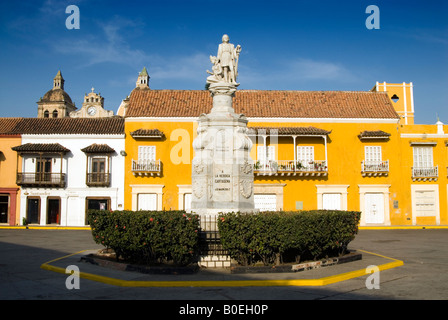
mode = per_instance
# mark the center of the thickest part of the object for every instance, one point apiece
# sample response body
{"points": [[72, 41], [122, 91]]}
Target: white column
{"points": [[405, 104], [326, 157], [295, 150], [43, 210]]}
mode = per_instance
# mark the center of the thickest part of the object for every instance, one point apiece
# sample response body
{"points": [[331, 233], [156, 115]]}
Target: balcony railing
{"points": [[423, 174], [291, 167], [146, 167], [375, 168], [98, 179], [41, 179]]}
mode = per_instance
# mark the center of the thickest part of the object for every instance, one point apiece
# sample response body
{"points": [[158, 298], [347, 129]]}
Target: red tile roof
{"points": [[98, 148], [8, 124], [373, 134], [41, 147], [309, 131], [265, 104], [113, 125], [142, 133]]}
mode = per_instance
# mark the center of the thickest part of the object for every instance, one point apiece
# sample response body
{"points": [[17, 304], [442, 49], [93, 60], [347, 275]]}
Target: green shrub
{"points": [[274, 237], [147, 237]]}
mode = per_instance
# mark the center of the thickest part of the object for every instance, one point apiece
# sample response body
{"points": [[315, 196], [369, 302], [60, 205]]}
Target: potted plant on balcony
{"points": [[273, 165]]}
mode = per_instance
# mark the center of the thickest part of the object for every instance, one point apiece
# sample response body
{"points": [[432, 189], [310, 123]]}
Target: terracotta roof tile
{"points": [[98, 148], [40, 147], [155, 133], [269, 104], [113, 125], [8, 124], [288, 131], [374, 134]]}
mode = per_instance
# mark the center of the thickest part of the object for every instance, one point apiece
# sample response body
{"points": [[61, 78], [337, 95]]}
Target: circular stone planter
{"points": [[297, 267]]}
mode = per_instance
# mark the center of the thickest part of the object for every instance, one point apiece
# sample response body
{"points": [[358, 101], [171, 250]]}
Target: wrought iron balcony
{"points": [[424, 174], [375, 168], [291, 167], [146, 167], [98, 179], [41, 179]]}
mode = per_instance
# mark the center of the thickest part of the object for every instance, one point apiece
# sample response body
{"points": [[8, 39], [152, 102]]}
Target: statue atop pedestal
{"points": [[225, 64], [222, 169]]}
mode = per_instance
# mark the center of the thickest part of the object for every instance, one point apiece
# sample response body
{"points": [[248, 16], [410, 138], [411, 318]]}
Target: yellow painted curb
{"points": [[44, 228], [402, 227], [230, 283]]}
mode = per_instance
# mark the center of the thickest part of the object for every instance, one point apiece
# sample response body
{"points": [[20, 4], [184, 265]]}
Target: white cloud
{"points": [[297, 70], [107, 46], [319, 70], [185, 67]]}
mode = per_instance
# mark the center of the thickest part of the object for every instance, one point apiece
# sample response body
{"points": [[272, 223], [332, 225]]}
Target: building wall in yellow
{"points": [[345, 152], [175, 152], [402, 97], [405, 197]]}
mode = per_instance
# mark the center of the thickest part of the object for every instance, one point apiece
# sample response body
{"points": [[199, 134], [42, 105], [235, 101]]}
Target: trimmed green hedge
{"points": [[275, 237], [147, 237]]}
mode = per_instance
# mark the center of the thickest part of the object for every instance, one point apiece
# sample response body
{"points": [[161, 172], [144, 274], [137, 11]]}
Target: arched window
{"points": [[46, 114], [55, 113]]}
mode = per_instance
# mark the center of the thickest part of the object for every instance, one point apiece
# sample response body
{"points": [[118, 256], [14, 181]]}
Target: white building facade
{"points": [[63, 174]]}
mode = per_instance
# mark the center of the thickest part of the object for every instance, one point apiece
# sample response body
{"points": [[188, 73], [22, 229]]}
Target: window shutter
{"points": [[147, 201], [423, 157], [305, 153], [147, 153], [373, 154]]}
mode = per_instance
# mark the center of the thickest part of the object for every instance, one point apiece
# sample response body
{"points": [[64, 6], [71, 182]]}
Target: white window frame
{"points": [[271, 188], [265, 153], [335, 195], [136, 189], [153, 199], [146, 153], [305, 154], [373, 154], [184, 191], [423, 157], [335, 188], [257, 196]]}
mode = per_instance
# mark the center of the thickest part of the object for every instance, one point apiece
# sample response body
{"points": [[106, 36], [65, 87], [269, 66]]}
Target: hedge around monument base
{"points": [[272, 238], [147, 237]]}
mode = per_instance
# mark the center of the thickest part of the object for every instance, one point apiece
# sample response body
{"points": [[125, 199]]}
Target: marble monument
{"points": [[222, 169]]}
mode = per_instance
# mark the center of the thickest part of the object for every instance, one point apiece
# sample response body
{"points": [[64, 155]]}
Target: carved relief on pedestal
{"points": [[246, 188], [246, 167], [198, 189], [199, 168]]}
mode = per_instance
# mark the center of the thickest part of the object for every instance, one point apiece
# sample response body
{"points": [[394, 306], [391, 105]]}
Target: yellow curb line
{"points": [[230, 283], [402, 227], [44, 228]]}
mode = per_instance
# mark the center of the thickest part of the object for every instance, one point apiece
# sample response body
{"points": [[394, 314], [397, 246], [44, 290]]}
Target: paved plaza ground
{"points": [[422, 276]]}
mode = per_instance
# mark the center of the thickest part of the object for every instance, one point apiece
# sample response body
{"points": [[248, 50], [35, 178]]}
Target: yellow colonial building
{"points": [[354, 150]]}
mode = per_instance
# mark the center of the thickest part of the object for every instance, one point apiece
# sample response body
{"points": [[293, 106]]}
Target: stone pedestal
{"points": [[222, 169]]}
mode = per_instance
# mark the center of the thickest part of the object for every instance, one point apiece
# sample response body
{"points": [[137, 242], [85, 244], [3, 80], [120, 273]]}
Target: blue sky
{"points": [[287, 45]]}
